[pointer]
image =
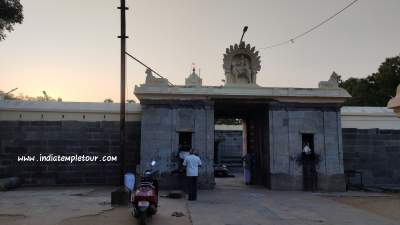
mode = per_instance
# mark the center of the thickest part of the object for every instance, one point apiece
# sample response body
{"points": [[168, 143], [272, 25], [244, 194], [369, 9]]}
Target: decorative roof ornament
{"points": [[394, 103], [241, 64], [193, 80], [333, 82], [151, 80]]}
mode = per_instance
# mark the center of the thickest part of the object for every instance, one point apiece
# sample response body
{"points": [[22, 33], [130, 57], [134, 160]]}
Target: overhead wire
{"points": [[292, 40]]}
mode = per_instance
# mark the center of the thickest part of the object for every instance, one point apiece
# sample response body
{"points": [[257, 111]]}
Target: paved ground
{"points": [[387, 205], [231, 203]]}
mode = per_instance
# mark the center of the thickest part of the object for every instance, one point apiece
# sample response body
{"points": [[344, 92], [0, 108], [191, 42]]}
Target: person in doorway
{"points": [[192, 163], [247, 161], [307, 149]]}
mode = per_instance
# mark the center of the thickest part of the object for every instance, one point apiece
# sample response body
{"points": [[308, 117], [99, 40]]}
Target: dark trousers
{"points": [[192, 188]]}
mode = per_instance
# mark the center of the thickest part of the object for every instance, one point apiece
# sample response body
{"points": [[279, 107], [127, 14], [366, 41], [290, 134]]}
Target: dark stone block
{"points": [[286, 182], [346, 131], [5, 135], [97, 149], [16, 150], [393, 149], [96, 143], [332, 183]]}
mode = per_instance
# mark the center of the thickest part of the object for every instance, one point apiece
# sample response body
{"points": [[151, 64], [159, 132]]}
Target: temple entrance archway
{"points": [[254, 120]]}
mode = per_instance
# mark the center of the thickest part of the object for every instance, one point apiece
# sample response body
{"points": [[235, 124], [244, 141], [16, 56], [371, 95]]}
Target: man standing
{"points": [[192, 163], [247, 164]]}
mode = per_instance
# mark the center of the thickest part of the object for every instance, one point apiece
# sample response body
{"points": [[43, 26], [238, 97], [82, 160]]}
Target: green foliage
{"points": [[22, 97], [10, 14], [108, 100], [376, 89]]}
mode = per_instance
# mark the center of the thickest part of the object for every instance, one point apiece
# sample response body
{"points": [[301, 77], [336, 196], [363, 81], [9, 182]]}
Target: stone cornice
{"points": [[304, 95]]}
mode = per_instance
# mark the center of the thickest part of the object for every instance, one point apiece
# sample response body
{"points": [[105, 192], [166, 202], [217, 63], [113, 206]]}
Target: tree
{"points": [[22, 97], [108, 100], [10, 14], [376, 89]]}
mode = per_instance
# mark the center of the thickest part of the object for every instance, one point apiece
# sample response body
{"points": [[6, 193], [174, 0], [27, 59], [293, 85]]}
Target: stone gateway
{"points": [[276, 124]]}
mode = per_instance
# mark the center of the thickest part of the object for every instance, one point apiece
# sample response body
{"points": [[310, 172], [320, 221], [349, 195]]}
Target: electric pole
{"points": [[123, 38], [121, 195]]}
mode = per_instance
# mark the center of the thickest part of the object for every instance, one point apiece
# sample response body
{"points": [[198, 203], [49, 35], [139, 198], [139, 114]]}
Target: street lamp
{"points": [[244, 31]]}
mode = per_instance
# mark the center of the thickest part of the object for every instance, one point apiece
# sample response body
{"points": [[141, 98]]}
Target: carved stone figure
{"points": [[151, 80], [333, 82], [241, 64], [394, 103]]}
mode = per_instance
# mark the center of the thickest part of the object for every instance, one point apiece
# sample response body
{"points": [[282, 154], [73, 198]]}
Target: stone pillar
{"points": [[288, 121], [161, 123]]}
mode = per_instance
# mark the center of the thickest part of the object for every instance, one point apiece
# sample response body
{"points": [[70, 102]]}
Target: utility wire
{"points": [[291, 40], [137, 60]]}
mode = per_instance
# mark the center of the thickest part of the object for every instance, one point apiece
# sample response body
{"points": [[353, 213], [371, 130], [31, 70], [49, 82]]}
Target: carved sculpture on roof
{"points": [[151, 80], [241, 64], [394, 103], [333, 82]]}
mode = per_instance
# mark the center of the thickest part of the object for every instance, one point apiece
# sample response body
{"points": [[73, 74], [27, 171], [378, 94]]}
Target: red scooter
{"points": [[145, 199]]}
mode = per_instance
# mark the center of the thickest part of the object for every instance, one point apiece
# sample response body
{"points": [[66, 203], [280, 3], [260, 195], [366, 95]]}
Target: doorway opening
{"points": [[309, 160], [308, 139], [241, 135]]}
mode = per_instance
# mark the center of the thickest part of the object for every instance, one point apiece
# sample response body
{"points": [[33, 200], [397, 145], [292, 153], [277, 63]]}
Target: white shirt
{"points": [[192, 163], [307, 150]]}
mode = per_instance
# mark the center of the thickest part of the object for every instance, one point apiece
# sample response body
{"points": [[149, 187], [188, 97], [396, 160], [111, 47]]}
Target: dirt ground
{"points": [[122, 216], [79, 206], [231, 202], [386, 206]]}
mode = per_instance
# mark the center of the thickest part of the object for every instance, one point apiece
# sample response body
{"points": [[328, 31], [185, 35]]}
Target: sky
{"points": [[70, 49]]}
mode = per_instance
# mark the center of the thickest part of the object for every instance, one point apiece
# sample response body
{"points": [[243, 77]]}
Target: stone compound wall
{"points": [[230, 146], [19, 138], [374, 152]]}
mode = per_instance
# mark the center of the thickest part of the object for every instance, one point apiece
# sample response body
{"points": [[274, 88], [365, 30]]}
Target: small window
{"points": [[185, 141]]}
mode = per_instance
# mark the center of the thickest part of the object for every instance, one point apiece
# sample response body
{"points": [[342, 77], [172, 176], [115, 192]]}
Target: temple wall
{"points": [[375, 153], [370, 141], [287, 124], [66, 138], [230, 146], [161, 124], [32, 129]]}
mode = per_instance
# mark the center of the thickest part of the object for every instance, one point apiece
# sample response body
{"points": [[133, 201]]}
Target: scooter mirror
{"points": [[153, 163]]}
